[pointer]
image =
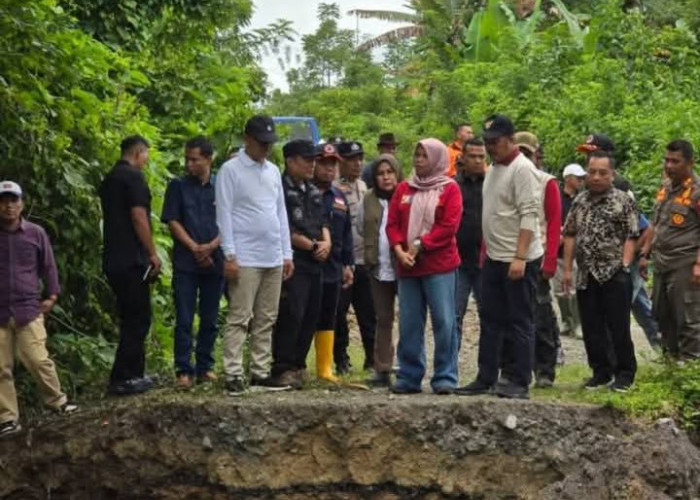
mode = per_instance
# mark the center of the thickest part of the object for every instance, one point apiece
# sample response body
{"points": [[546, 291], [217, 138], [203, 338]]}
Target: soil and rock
{"points": [[347, 445]]}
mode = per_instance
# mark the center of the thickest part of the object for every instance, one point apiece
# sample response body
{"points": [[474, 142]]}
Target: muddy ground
{"points": [[346, 445]]}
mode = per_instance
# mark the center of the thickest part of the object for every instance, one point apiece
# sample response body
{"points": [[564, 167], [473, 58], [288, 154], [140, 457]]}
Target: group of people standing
{"points": [[293, 250]]}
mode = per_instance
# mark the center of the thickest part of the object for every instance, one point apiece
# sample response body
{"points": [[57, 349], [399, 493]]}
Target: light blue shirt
{"points": [[251, 213]]}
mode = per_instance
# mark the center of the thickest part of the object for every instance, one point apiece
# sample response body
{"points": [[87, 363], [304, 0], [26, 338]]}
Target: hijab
{"points": [[428, 189], [394, 164]]}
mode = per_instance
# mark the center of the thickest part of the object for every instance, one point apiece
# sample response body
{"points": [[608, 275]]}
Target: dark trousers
{"points": [[546, 331], [134, 308], [605, 321], [468, 282], [186, 288], [507, 314], [329, 306], [360, 296], [300, 305]]}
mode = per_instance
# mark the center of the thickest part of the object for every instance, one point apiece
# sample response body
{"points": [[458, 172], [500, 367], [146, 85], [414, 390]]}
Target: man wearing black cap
{"points": [[510, 222], [359, 294], [338, 269], [254, 230], [300, 302], [387, 144]]}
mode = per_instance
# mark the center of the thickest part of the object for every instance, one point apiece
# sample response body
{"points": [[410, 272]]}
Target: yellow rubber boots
{"points": [[324, 356]]}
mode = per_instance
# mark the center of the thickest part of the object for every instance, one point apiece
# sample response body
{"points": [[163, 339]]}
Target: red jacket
{"points": [[439, 252]]}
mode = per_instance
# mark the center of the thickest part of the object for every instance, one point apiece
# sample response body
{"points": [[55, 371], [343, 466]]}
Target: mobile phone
{"points": [[147, 273]]}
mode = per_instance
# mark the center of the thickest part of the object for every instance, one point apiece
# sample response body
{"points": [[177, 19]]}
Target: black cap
{"points": [[596, 142], [497, 126], [261, 128], [327, 150], [299, 147], [387, 139], [350, 149]]}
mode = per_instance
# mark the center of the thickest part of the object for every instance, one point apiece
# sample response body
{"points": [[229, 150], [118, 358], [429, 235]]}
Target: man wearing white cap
{"points": [[574, 176], [26, 259]]}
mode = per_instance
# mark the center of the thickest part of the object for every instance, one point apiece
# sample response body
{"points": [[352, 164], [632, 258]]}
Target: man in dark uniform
{"points": [[675, 239], [300, 300], [130, 262], [338, 269]]}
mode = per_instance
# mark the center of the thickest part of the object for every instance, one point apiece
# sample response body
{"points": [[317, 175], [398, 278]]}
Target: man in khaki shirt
{"points": [[675, 244]]}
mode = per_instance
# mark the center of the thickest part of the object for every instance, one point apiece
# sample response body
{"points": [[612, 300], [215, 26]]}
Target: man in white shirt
{"points": [[255, 240], [510, 223]]}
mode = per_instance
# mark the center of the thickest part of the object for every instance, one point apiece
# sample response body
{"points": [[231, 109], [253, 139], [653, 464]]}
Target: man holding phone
{"points": [[128, 254]]}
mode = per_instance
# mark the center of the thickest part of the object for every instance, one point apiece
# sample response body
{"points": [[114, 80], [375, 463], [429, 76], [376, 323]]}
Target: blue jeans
{"points": [[437, 293], [507, 318], [186, 287], [468, 282], [641, 307]]}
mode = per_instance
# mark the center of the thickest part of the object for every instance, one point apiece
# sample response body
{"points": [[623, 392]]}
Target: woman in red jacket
{"points": [[424, 215]]}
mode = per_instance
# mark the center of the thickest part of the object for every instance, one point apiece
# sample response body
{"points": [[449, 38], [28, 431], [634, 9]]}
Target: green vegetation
{"points": [[77, 75]]}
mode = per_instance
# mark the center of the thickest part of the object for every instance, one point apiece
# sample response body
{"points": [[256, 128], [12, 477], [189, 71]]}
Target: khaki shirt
{"points": [[354, 192], [677, 224]]}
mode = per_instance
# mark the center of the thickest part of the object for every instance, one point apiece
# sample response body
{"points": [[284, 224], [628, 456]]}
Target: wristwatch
{"points": [[625, 269], [418, 244], [230, 257], [314, 245]]}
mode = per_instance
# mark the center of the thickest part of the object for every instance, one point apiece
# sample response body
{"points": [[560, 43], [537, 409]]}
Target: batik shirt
{"points": [[600, 224]]}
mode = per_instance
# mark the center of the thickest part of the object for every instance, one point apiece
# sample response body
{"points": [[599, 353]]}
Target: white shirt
{"points": [[512, 199], [251, 213], [385, 269]]}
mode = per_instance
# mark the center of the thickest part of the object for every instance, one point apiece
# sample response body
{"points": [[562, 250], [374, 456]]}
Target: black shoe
{"points": [[132, 386], [543, 382], [235, 387], [443, 390], [402, 389], [342, 367], [9, 428], [380, 379], [620, 385], [511, 391], [268, 384], [474, 389], [596, 381]]}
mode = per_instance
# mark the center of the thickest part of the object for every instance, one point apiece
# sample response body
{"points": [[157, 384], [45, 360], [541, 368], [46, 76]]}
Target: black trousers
{"points": [[507, 315], [329, 306], [605, 321], [134, 308], [300, 305], [360, 296], [546, 331]]}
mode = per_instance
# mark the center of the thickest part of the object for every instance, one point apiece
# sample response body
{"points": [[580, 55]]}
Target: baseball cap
{"points": [[350, 149], [9, 187], [527, 140], [261, 128], [573, 169], [387, 139], [299, 147], [327, 150], [497, 126], [596, 142]]}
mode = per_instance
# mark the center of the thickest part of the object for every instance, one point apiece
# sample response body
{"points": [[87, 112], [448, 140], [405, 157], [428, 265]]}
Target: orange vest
{"points": [[454, 151]]}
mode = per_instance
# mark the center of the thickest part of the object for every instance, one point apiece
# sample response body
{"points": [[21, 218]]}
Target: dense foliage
{"points": [[621, 70]]}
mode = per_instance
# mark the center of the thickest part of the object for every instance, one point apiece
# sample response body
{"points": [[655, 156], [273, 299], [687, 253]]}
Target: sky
{"points": [[303, 14]]}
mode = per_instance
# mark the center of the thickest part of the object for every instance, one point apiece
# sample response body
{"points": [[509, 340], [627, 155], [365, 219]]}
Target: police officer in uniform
{"points": [[338, 269], [675, 242], [300, 301], [360, 293]]}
